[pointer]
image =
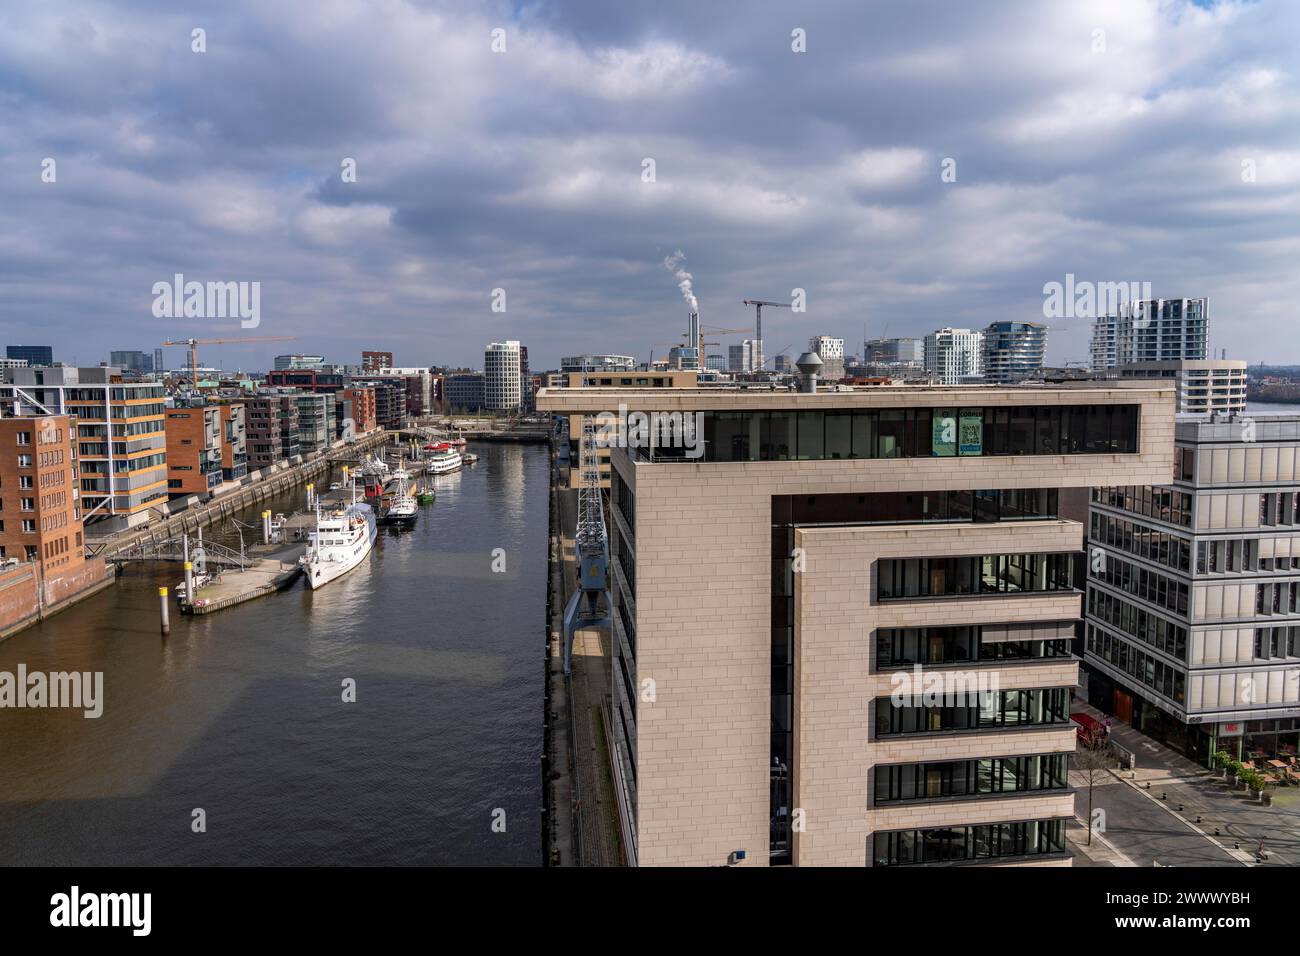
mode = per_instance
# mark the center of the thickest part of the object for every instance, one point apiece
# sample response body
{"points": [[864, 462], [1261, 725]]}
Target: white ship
{"points": [[441, 462], [341, 541]]}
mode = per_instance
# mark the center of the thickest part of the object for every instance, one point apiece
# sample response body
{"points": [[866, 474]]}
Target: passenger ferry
{"points": [[442, 461]]}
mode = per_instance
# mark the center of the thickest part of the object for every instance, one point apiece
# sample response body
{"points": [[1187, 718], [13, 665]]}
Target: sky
{"points": [[915, 165]]}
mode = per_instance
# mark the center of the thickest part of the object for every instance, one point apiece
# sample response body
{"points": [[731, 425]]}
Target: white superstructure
{"points": [[341, 541]]}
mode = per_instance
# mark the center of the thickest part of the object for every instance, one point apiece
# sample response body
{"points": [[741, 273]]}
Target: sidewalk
{"points": [[1101, 853], [1199, 799]]}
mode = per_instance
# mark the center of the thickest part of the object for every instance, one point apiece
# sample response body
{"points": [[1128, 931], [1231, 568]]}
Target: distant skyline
{"points": [[922, 164]]}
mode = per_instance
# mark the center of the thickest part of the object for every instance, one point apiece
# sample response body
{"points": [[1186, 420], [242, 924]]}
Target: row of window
{"points": [[782, 435], [905, 507], [627, 564], [905, 646], [1279, 509], [623, 500], [986, 841], [1162, 547], [1008, 708], [1163, 504], [1273, 643], [969, 778], [901, 578], [1281, 598], [1151, 586], [1163, 678], [1139, 623]]}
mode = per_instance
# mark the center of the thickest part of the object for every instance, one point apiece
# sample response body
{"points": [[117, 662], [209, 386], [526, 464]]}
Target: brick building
{"points": [[40, 508]]}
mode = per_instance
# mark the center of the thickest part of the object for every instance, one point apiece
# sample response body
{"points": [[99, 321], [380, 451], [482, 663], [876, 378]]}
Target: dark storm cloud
{"points": [[522, 170]]}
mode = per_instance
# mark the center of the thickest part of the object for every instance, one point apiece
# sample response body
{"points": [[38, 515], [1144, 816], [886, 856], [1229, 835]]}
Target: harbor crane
{"points": [[193, 346], [758, 322]]}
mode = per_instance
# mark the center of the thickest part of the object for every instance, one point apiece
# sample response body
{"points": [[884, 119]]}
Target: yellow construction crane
{"points": [[193, 346], [704, 331]]}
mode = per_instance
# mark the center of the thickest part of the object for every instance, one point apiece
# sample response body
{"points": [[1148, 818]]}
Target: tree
{"points": [[1092, 758]]}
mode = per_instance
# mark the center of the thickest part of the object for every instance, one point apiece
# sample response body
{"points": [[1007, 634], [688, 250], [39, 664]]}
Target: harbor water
{"points": [[229, 742]]}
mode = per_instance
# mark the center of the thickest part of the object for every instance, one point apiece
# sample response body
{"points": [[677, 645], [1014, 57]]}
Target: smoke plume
{"points": [[673, 264]]}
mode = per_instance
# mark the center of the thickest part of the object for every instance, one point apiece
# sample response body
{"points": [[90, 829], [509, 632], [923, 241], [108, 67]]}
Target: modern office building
{"points": [[132, 360], [33, 355], [194, 438], [831, 351], [464, 391], [784, 604], [740, 358], [684, 358], [121, 436], [526, 392], [954, 356], [234, 441], [40, 507], [502, 377], [296, 362], [1153, 330], [1193, 612], [361, 407], [716, 362], [904, 351], [272, 427], [316, 426], [376, 361], [1013, 351], [306, 380], [1202, 387], [390, 399], [418, 384], [598, 363]]}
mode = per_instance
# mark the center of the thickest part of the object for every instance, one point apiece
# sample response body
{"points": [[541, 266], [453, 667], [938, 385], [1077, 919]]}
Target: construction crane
{"points": [[193, 344], [758, 321]]}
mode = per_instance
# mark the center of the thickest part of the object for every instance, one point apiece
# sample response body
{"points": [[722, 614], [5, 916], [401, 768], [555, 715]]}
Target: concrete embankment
{"points": [[269, 484], [27, 597]]}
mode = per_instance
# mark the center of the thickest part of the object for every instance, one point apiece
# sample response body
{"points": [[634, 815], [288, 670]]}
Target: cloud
{"points": [[523, 169]]}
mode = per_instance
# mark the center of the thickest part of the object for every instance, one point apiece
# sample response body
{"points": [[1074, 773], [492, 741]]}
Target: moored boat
{"points": [[442, 462], [341, 541]]}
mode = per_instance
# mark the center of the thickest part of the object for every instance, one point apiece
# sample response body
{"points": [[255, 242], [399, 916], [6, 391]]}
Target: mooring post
{"points": [[189, 582], [164, 611], [310, 486], [266, 526]]}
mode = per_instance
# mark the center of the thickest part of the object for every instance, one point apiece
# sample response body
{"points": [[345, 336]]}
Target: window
{"points": [[978, 842], [895, 783], [903, 578], [997, 709], [906, 646], [785, 435]]}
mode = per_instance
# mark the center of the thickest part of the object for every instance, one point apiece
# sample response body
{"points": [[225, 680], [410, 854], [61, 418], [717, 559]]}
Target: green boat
{"points": [[425, 497]]}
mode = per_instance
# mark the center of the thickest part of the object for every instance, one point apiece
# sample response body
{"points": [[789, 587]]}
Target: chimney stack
{"points": [[809, 365]]}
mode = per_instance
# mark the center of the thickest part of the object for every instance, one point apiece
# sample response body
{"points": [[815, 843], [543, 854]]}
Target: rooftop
{"points": [[599, 398]]}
